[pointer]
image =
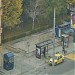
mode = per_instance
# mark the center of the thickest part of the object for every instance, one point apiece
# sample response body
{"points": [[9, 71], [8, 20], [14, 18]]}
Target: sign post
{"points": [[73, 26]]}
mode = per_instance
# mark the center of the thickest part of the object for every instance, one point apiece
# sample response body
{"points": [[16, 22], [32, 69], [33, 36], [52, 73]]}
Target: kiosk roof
{"points": [[10, 54], [47, 42]]}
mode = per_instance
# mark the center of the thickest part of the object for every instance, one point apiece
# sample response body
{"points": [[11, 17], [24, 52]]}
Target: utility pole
{"points": [[54, 38]]}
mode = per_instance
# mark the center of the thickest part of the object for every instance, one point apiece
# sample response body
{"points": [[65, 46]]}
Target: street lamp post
{"points": [[54, 38]]}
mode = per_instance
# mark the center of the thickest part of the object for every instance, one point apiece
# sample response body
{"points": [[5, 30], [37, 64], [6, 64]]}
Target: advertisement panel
{"points": [[73, 21], [38, 52]]}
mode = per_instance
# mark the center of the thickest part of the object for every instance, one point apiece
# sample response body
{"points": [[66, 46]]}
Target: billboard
{"points": [[38, 52], [73, 21]]}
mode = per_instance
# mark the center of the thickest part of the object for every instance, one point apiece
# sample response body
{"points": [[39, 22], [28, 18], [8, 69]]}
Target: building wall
{"points": [[0, 35]]}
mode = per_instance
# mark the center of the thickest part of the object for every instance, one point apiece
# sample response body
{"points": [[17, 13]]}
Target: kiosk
{"points": [[65, 40], [63, 29], [42, 48], [8, 61]]}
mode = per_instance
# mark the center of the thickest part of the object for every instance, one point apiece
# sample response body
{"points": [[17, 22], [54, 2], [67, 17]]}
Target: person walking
{"points": [[63, 46]]}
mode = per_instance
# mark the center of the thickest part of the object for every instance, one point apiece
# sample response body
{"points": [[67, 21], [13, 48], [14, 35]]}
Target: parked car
{"points": [[58, 58]]}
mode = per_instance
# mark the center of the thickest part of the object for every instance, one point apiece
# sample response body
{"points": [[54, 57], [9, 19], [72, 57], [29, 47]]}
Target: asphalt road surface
{"points": [[66, 68]]}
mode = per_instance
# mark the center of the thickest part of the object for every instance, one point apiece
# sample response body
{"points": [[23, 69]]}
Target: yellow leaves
{"points": [[71, 1], [12, 9]]}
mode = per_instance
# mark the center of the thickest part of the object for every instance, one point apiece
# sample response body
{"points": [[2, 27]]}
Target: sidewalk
{"points": [[24, 64]]}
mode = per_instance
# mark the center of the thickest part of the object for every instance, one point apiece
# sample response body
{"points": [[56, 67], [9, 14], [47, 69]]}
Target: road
{"points": [[27, 65], [66, 68], [30, 65]]}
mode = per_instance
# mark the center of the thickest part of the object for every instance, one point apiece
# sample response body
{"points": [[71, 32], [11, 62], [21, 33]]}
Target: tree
{"points": [[59, 5], [33, 9], [70, 1], [12, 10], [70, 4]]}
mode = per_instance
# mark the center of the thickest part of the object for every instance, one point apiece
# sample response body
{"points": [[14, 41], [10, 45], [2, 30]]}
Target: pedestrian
{"points": [[63, 51]]}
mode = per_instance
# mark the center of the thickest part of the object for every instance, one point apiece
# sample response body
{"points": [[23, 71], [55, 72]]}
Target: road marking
{"points": [[71, 56]]}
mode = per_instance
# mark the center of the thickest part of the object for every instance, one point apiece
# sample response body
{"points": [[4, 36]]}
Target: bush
{"points": [[13, 38], [17, 36]]}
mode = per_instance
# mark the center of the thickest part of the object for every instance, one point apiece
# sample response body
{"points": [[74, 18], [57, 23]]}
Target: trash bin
{"points": [[8, 61]]}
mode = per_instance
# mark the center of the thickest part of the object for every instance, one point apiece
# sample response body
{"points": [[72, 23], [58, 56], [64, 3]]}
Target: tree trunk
{"points": [[33, 24], [33, 21]]}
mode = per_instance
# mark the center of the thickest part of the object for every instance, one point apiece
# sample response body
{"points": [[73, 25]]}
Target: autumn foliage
{"points": [[12, 10]]}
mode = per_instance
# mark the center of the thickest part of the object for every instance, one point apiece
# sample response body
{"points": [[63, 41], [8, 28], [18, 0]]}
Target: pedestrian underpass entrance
{"points": [[42, 48]]}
